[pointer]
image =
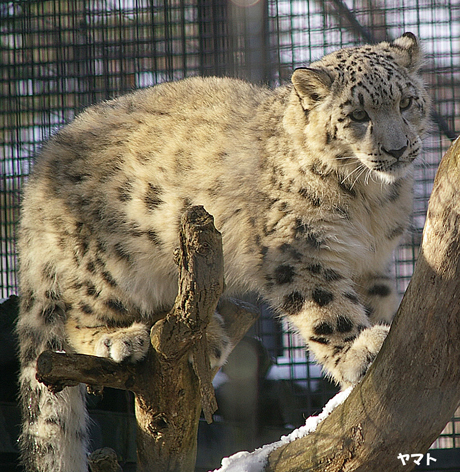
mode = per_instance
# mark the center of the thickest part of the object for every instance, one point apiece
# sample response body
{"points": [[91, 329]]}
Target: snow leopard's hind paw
{"points": [[219, 345]]}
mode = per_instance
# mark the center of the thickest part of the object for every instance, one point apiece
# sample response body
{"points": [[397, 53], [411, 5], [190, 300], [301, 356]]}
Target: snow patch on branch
{"points": [[255, 461]]}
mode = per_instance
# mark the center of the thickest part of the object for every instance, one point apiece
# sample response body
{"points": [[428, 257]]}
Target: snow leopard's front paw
{"points": [[354, 363], [129, 344]]}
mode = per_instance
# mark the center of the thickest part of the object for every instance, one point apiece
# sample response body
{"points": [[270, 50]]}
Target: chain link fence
{"points": [[57, 57]]}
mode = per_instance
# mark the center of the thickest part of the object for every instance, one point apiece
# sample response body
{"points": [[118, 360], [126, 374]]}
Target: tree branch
{"points": [[413, 387], [168, 391], [201, 282], [58, 370]]}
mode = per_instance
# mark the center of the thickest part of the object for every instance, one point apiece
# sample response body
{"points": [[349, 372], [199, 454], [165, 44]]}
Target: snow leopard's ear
{"points": [[312, 85], [408, 52]]}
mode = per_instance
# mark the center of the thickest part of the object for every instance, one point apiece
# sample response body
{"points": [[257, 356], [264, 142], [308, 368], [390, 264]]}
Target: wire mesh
{"points": [[57, 57]]}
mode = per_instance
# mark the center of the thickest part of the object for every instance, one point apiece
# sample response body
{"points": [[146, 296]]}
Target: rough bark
{"points": [[413, 387], [169, 392]]}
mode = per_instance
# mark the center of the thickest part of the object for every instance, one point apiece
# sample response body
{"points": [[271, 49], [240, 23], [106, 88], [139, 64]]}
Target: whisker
{"points": [[375, 179], [359, 170], [363, 169], [366, 178], [351, 161], [340, 158], [370, 175]]}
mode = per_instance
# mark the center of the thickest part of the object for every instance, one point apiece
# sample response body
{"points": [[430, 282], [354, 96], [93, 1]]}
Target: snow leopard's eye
{"points": [[405, 103], [359, 115]]}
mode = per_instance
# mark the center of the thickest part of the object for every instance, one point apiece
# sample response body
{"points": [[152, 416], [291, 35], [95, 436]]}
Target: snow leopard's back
{"points": [[124, 171]]}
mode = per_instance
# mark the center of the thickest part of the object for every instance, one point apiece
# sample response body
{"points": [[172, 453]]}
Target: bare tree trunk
{"points": [[169, 392], [413, 387]]}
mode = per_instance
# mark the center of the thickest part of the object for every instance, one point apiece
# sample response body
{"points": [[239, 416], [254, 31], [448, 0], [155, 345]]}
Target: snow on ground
{"points": [[255, 461]]}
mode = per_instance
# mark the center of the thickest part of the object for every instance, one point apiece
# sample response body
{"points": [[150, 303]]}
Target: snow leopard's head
{"points": [[366, 107]]}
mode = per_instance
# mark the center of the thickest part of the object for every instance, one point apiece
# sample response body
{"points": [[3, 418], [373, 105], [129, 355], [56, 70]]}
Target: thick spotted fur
{"points": [[310, 185]]}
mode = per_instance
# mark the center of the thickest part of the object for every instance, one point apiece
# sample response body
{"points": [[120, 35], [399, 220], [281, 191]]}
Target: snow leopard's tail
{"points": [[54, 434]]}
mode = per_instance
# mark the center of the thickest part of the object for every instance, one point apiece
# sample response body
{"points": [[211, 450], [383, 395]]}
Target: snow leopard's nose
{"points": [[396, 153]]}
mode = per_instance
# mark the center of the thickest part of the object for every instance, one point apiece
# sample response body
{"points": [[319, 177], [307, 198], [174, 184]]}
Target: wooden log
{"points": [[413, 387]]}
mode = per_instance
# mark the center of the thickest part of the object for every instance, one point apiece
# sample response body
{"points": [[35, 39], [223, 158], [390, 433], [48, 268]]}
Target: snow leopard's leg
{"points": [[54, 433], [378, 294], [324, 306]]}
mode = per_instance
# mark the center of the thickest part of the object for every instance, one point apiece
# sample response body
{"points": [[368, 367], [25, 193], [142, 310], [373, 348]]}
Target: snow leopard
{"points": [[309, 183]]}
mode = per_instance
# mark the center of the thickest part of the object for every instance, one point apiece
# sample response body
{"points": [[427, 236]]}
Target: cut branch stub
{"points": [[104, 460], [201, 282]]}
